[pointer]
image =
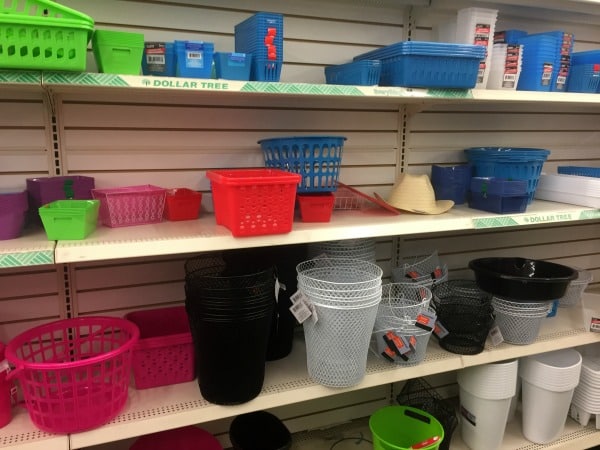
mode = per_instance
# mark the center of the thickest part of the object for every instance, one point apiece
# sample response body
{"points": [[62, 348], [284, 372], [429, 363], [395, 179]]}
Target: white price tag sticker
{"points": [[300, 311], [496, 336]]}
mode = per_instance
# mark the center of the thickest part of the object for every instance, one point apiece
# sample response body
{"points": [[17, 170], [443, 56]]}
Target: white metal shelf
{"points": [[574, 436], [287, 382], [22, 434], [204, 235], [89, 83]]}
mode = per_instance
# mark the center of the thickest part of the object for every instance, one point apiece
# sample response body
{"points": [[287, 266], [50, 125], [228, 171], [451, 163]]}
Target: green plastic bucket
{"points": [[400, 427]]}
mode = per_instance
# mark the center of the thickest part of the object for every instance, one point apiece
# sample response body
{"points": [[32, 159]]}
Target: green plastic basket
{"points": [[43, 35], [118, 52], [69, 219]]}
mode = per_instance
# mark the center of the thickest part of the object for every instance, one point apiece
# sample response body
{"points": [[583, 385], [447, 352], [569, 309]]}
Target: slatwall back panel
{"points": [[25, 150], [30, 296]]}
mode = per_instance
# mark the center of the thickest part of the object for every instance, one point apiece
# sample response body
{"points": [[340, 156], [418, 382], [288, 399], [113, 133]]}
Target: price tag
{"points": [[496, 336], [440, 331], [300, 311]]}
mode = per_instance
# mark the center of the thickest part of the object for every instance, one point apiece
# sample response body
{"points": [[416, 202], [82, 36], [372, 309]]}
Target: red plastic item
{"points": [[316, 207], [182, 204], [185, 438], [252, 202], [74, 373], [5, 400], [164, 353]]}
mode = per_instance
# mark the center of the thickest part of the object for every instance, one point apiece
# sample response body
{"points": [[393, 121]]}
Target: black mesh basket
{"points": [[419, 394]]}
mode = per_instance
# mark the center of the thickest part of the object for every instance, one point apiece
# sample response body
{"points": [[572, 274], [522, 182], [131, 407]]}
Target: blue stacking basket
{"points": [[358, 73], [508, 36], [509, 163], [498, 195], [159, 59], [539, 62], [316, 158], [562, 59], [194, 59], [262, 36], [233, 65], [582, 171], [428, 64], [585, 72]]}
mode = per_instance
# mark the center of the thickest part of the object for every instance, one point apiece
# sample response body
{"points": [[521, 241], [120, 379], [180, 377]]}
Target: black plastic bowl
{"points": [[522, 279]]}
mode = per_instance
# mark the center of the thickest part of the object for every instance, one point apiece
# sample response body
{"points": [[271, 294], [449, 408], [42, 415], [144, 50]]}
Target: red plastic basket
{"points": [[316, 207], [182, 204], [74, 373], [165, 352], [253, 202], [130, 205]]}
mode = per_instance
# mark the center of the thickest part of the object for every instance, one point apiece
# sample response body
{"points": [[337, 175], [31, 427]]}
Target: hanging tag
{"points": [[440, 331], [388, 354], [437, 273], [412, 342], [397, 344], [298, 296], [426, 320], [413, 274], [595, 325], [496, 336], [300, 311], [277, 287]]}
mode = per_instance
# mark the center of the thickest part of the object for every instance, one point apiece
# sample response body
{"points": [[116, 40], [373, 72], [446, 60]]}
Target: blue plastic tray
{"points": [[497, 203], [499, 186], [359, 73], [232, 66], [579, 170]]}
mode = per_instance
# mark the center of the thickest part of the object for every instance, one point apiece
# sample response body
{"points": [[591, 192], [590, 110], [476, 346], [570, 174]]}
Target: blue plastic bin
{"points": [[159, 59], [508, 36], [357, 73], [316, 158], [262, 36], [233, 66], [581, 171], [540, 53], [498, 186], [509, 163], [562, 58], [428, 64], [497, 203], [194, 59], [585, 72]]}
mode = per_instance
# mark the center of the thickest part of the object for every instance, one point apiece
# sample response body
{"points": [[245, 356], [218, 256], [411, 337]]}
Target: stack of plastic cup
{"points": [[486, 393], [539, 62], [343, 295], [548, 383], [518, 321], [476, 26], [586, 397], [507, 61]]}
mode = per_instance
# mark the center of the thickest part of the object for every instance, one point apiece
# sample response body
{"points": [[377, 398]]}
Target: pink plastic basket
{"points": [[74, 373], [165, 352], [131, 205]]}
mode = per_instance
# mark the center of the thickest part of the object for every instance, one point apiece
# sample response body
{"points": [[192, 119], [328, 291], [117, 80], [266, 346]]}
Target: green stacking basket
{"points": [[43, 35]]}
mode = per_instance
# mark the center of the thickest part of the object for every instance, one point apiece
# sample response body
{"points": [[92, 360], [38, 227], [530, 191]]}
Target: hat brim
{"points": [[440, 206]]}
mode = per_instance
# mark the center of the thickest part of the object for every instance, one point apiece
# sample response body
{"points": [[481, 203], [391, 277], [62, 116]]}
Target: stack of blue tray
{"points": [[498, 195]]}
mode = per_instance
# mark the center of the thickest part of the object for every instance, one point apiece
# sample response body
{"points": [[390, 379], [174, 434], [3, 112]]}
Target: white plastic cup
{"points": [[544, 412], [490, 381], [483, 420]]}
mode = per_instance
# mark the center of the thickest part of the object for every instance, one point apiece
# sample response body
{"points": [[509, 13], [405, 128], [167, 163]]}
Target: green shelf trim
{"points": [[84, 79], [450, 93], [35, 258], [494, 222], [588, 215], [300, 88], [20, 77]]}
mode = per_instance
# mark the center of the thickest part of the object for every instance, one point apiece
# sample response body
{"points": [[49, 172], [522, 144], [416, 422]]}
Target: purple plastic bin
{"points": [[13, 209], [44, 190]]}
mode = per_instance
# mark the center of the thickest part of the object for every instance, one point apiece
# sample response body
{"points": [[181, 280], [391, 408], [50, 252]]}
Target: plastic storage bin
{"points": [[194, 59], [582, 171], [428, 64], [164, 353], [118, 51], [316, 207], [254, 202], [585, 72], [69, 219], [359, 73], [13, 210], [262, 36], [316, 158], [130, 205], [74, 373], [159, 59], [43, 35], [233, 66], [182, 204], [562, 58], [48, 189], [509, 163]]}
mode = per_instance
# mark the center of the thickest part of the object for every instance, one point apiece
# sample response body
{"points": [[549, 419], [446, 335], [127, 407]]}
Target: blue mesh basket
{"points": [[509, 163], [581, 171], [358, 73], [316, 158]]}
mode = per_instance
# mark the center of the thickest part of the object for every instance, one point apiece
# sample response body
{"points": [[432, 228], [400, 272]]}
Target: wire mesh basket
{"points": [[418, 393], [576, 288]]}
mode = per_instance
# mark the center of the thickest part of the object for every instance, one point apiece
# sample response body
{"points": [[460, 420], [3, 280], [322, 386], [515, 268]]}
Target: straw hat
{"points": [[415, 193]]}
